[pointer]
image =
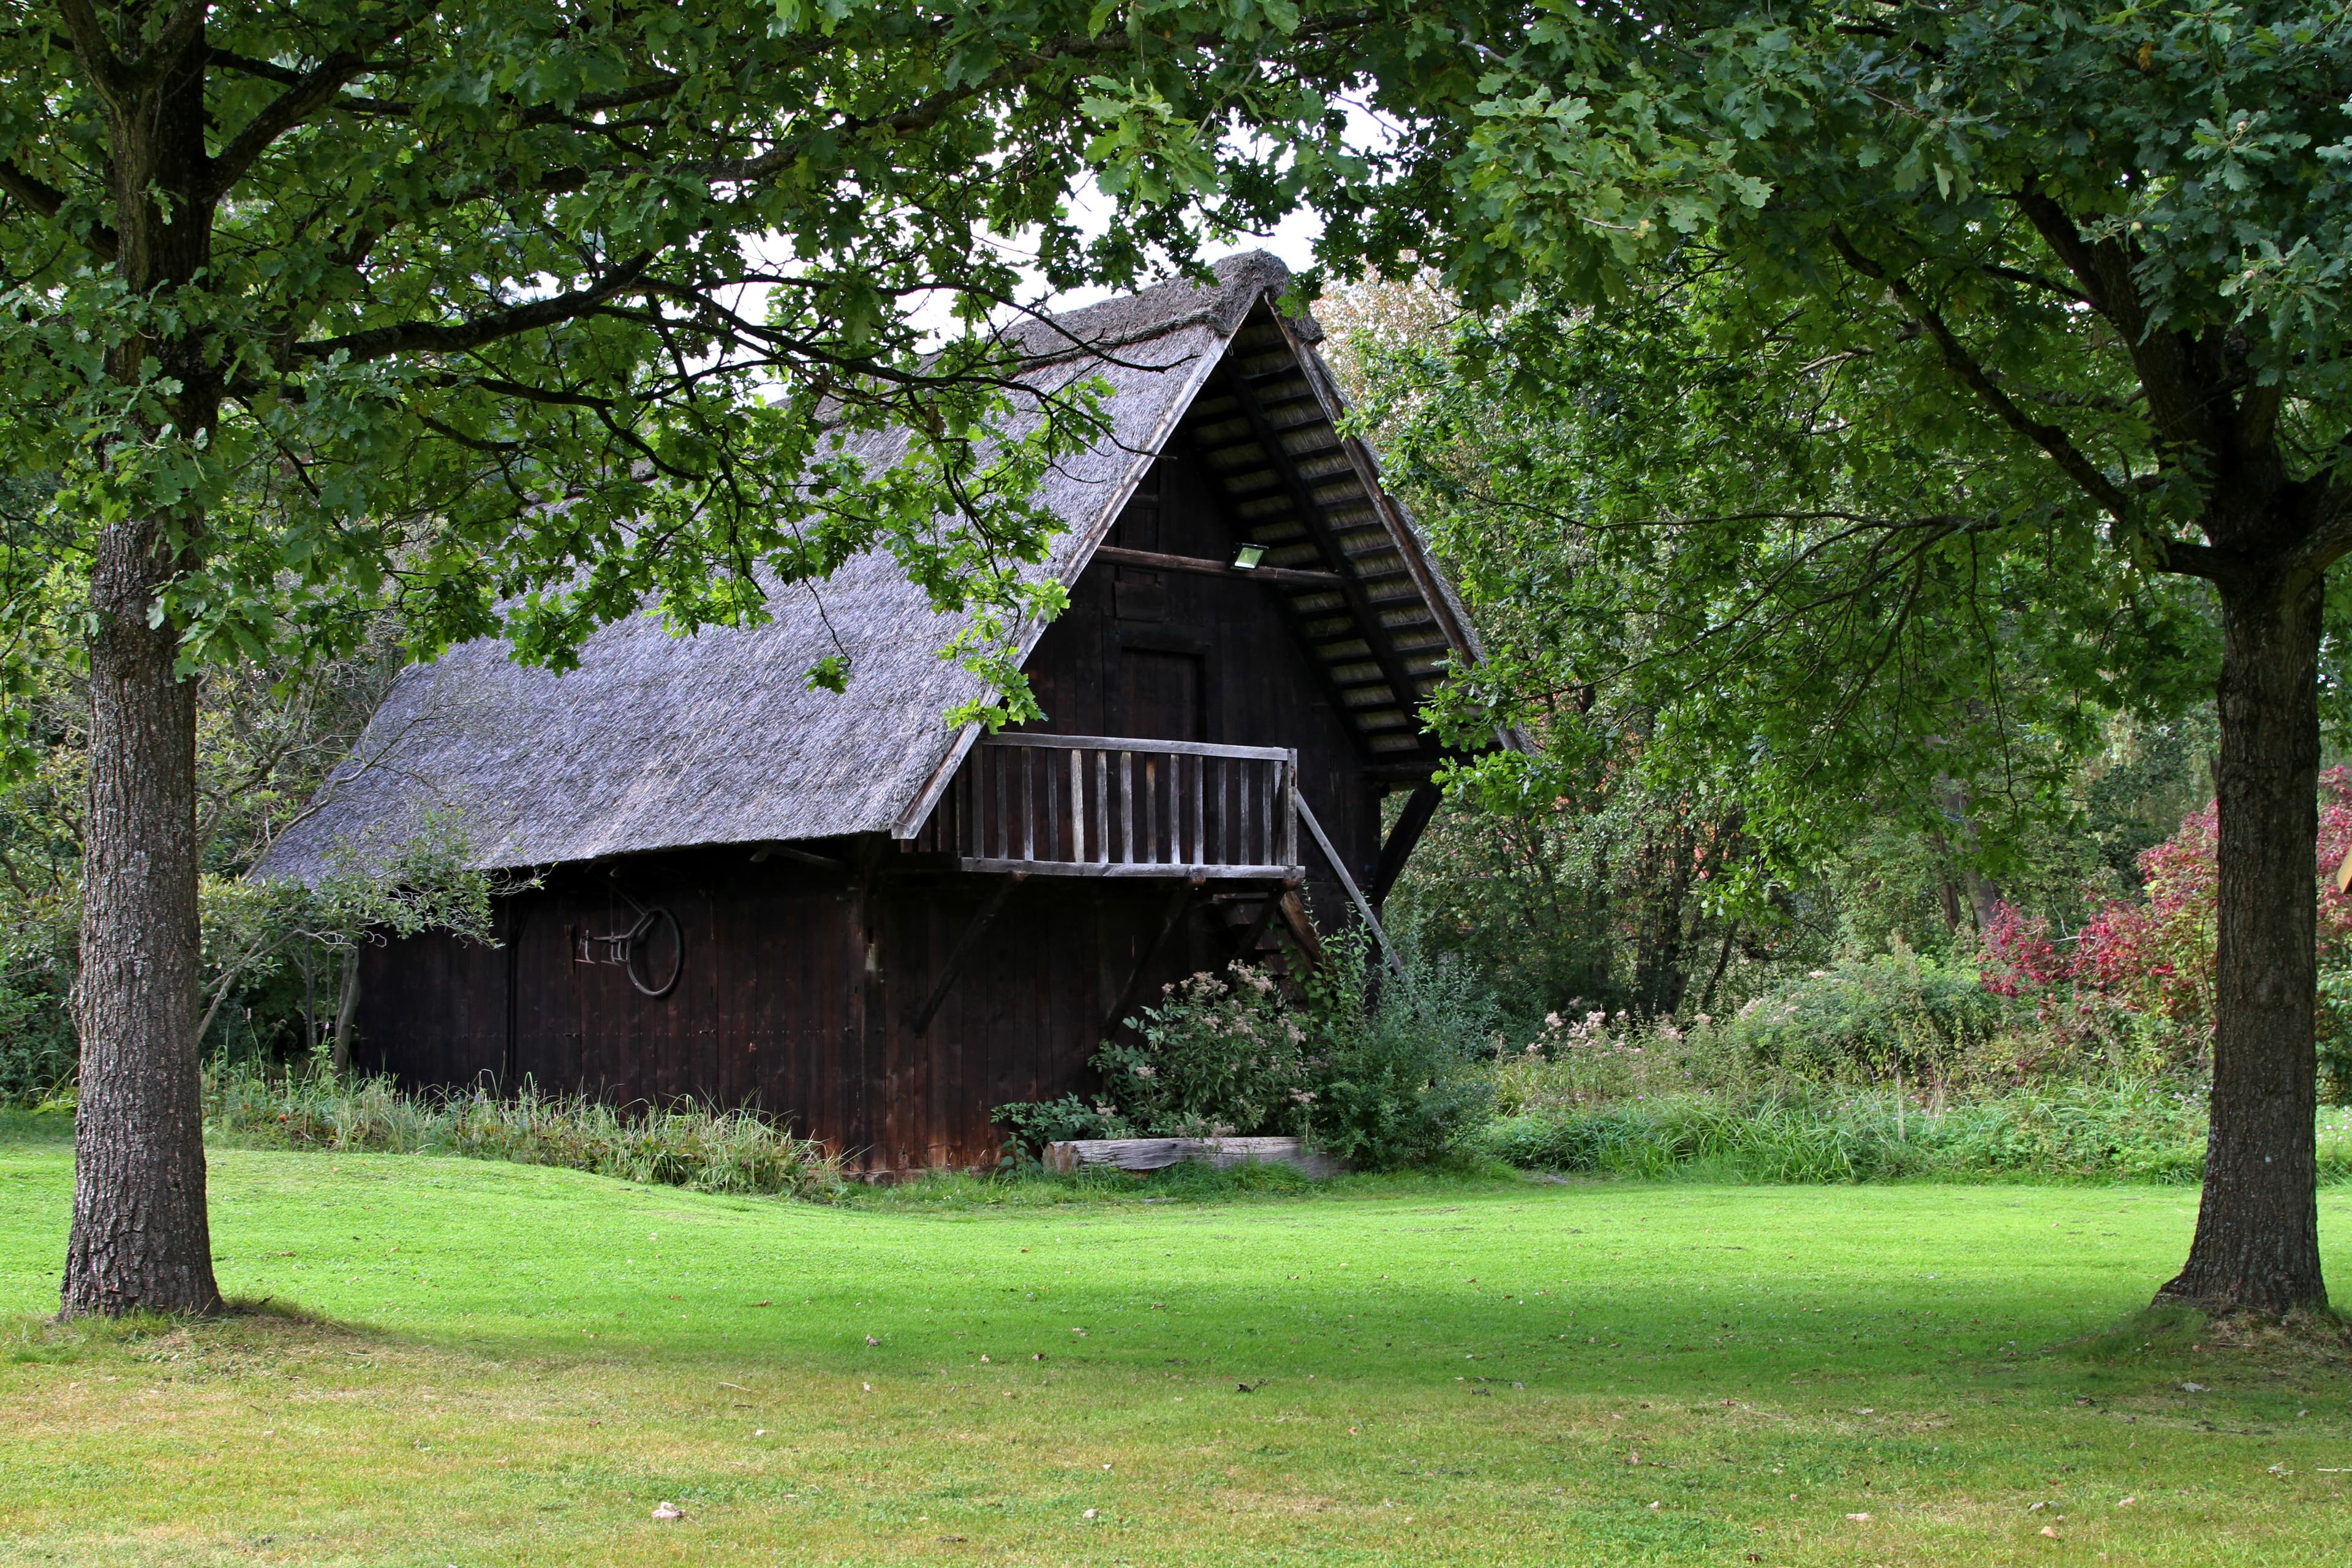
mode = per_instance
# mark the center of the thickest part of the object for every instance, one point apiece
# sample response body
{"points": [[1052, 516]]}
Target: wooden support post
{"points": [[962, 950], [1127, 997], [1293, 909], [1410, 823], [1363, 906]]}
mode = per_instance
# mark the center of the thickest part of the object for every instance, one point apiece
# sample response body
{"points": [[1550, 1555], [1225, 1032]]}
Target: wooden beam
{"points": [[1364, 905], [1266, 914], [1130, 743], [962, 950], [1190, 873], [790, 852], [1120, 555], [1159, 1153], [1418, 807], [1127, 997]]}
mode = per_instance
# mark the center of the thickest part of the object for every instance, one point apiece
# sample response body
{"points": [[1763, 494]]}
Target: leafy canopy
{"points": [[1850, 377], [515, 313]]}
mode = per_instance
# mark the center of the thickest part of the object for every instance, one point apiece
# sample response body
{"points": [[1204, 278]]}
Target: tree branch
{"points": [[48, 201], [312, 91], [2060, 448], [2183, 411], [456, 337], [108, 72]]}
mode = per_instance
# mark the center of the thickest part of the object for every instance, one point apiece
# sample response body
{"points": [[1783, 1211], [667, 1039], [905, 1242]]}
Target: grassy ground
{"points": [[507, 1364]]}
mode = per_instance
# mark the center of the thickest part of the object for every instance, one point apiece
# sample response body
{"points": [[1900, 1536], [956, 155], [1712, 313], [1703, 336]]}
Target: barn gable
{"points": [[658, 742]]}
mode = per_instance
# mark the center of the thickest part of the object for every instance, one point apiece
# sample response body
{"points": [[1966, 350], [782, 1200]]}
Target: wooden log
{"points": [[1159, 1153]]}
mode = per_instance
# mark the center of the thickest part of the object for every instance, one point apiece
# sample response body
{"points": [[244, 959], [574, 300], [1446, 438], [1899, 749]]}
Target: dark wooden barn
{"points": [[836, 908]]}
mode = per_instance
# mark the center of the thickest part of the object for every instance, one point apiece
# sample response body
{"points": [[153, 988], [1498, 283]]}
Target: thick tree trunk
{"points": [[2257, 1243], [141, 1240]]}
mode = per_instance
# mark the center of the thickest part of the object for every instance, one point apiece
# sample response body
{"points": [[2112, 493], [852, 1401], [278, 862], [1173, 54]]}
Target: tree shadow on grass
{"points": [[243, 1335]]}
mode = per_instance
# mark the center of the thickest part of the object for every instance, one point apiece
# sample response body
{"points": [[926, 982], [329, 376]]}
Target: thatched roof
{"points": [[658, 742]]}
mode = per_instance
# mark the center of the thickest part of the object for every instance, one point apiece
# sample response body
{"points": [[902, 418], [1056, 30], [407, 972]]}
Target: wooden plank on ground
{"points": [[1159, 1153]]}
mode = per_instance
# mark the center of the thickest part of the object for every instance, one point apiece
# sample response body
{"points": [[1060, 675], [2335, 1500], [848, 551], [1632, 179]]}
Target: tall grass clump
{"points": [[687, 1146], [2138, 1130]]}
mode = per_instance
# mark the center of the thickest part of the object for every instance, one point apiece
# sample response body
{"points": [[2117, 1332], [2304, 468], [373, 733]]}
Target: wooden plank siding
{"points": [[767, 1012]]}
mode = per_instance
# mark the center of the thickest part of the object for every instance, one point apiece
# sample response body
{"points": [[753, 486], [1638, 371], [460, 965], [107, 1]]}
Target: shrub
{"points": [[1597, 1059], [1399, 1080], [1221, 1056], [683, 1146], [1379, 1076], [1867, 1021], [2142, 976]]}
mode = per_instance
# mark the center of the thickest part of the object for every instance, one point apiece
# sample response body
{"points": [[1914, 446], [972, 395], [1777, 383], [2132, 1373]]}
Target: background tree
{"points": [[2084, 276], [511, 315]]}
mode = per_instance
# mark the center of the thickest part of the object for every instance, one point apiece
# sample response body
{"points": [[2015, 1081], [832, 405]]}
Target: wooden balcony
{"points": [[1098, 806]]}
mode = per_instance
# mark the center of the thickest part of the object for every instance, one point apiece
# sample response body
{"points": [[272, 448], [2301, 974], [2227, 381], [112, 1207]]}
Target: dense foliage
{"points": [[1379, 1076]]}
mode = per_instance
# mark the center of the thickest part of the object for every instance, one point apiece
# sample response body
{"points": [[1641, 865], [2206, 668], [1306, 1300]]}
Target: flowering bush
{"points": [[1376, 1077], [1897, 1016], [1221, 1056], [1598, 1059]]}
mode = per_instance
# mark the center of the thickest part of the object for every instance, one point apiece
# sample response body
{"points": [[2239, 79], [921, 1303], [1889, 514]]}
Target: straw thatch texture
{"points": [[661, 742]]}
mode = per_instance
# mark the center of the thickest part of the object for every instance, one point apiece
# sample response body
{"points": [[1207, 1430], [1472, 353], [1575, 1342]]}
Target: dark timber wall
{"points": [[1169, 656], [800, 982], [778, 1006]]}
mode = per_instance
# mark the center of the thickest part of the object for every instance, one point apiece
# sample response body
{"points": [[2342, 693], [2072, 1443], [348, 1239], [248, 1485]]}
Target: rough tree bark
{"points": [[2257, 1243], [141, 1239]]}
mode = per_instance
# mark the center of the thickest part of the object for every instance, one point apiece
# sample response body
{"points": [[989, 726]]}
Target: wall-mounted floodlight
{"points": [[1246, 558]]}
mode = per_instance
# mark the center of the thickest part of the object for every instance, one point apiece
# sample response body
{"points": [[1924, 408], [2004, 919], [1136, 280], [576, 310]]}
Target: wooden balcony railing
{"points": [[1098, 806]]}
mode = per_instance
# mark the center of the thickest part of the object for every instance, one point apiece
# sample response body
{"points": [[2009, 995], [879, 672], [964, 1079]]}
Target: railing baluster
{"points": [[1290, 814], [1127, 808], [1028, 811], [1102, 806], [1273, 788], [1077, 805], [1246, 769], [1200, 809], [1003, 823], [1052, 807], [1151, 811]]}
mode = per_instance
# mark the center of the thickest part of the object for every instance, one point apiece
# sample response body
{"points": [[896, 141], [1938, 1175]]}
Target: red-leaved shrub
{"points": [[2156, 957]]}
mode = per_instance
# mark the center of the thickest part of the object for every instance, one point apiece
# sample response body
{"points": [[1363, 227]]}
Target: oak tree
{"points": [[516, 314], [2093, 266]]}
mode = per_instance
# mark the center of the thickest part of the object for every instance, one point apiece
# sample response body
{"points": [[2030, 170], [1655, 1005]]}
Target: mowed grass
{"points": [[502, 1364]]}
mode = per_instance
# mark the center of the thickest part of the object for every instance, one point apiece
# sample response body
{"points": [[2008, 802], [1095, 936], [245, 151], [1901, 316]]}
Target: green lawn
{"points": [[504, 1364]]}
